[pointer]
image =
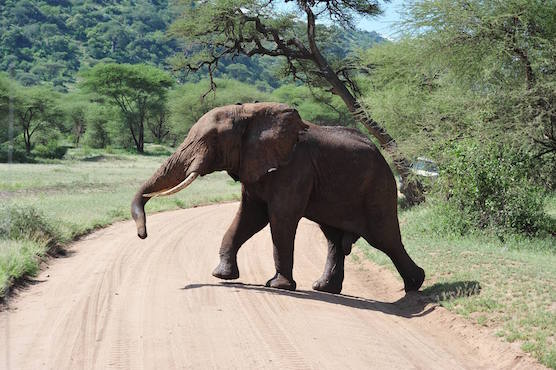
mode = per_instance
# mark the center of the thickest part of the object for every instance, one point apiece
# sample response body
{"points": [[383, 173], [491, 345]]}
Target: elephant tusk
{"points": [[182, 185]]}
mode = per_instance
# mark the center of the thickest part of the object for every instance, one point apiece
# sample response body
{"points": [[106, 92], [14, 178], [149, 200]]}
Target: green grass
{"points": [[509, 286], [18, 258], [76, 196]]}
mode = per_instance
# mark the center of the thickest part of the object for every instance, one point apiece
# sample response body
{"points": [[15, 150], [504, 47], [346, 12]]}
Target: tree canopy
{"points": [[134, 89], [34, 109]]}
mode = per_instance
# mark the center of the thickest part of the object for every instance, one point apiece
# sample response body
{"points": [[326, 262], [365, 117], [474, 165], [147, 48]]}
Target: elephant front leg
{"points": [[333, 275], [283, 236], [250, 218]]}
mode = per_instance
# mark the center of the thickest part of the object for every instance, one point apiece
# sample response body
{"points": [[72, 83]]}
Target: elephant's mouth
{"points": [[182, 185]]}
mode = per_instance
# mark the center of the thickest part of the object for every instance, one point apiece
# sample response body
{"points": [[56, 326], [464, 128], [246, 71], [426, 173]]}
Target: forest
{"points": [[467, 85]]}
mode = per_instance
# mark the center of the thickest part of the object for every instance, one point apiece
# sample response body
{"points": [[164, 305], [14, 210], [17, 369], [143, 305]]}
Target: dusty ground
{"points": [[120, 302]]}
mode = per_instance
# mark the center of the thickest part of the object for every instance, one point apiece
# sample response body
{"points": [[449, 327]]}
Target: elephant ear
{"points": [[268, 142]]}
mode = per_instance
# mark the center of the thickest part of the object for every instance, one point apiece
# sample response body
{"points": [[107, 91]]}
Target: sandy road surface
{"points": [[119, 302]]}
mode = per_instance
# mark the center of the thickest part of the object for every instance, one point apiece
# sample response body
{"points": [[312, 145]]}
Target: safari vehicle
{"points": [[425, 167], [422, 166]]}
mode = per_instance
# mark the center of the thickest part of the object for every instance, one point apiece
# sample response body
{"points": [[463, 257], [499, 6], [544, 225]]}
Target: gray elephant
{"points": [[290, 168]]}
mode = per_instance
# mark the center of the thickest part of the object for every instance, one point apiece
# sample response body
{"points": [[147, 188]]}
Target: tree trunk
{"points": [[27, 139], [137, 139], [27, 146], [141, 141], [529, 75]]}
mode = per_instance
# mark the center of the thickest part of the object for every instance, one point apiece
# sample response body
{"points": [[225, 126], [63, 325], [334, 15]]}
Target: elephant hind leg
{"points": [[333, 276], [385, 236]]}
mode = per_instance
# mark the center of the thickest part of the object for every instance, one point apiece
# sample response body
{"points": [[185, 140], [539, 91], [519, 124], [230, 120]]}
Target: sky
{"points": [[385, 23]]}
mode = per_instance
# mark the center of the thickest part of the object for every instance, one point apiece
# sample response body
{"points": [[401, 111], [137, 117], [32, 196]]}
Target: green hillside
{"points": [[47, 40]]}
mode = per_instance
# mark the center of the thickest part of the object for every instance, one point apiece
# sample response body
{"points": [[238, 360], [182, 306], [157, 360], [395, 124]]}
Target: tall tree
{"points": [[503, 50], [217, 28], [35, 109], [134, 89]]}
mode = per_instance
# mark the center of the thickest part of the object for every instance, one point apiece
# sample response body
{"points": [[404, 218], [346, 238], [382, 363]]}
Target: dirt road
{"points": [[120, 302]]}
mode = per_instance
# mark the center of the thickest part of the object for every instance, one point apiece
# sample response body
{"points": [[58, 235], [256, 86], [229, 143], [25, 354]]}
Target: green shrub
{"points": [[490, 186], [18, 153], [26, 223], [97, 133], [51, 150]]}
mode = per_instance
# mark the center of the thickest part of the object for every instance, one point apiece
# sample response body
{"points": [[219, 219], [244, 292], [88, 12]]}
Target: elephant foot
{"points": [[413, 283], [279, 281], [329, 284], [226, 270]]}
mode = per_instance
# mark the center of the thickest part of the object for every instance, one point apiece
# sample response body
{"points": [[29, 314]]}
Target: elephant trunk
{"points": [[174, 175], [138, 214]]}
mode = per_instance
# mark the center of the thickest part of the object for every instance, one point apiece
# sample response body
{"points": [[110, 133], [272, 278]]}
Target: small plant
{"points": [[51, 150], [26, 223], [18, 154]]}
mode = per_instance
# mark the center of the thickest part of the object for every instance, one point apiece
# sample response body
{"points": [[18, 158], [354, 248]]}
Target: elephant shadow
{"points": [[447, 291], [413, 304]]}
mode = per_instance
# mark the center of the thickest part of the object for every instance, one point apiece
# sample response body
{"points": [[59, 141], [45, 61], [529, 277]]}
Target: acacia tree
{"points": [[216, 28], [134, 89], [35, 109]]}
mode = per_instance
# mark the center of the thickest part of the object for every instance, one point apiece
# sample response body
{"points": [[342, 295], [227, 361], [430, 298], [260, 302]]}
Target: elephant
{"points": [[289, 168]]}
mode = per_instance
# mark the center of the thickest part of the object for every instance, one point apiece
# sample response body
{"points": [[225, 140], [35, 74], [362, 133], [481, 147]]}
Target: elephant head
{"points": [[246, 140]]}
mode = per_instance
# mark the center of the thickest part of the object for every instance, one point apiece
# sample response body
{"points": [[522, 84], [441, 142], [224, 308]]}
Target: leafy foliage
{"points": [[134, 89], [100, 120], [34, 109], [187, 103], [500, 51], [489, 186], [458, 92], [314, 104]]}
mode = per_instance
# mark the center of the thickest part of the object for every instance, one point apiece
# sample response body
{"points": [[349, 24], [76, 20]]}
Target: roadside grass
{"points": [[508, 286], [75, 196], [18, 258]]}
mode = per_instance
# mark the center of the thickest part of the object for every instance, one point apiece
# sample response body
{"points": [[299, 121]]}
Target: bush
{"points": [[96, 135], [489, 186], [18, 153], [26, 223], [51, 150]]}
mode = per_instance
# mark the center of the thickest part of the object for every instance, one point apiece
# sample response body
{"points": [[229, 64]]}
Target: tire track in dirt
{"points": [[120, 302]]}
